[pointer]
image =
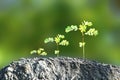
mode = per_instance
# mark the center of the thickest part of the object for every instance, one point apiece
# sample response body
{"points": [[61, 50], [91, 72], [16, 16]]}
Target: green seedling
{"points": [[59, 40], [83, 28], [40, 51]]}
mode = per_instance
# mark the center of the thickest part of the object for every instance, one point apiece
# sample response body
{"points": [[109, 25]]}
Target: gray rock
{"points": [[59, 68]]}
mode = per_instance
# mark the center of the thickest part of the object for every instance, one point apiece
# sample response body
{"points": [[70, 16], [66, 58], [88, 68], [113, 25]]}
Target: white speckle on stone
{"points": [[27, 68], [9, 74], [43, 64], [10, 69]]}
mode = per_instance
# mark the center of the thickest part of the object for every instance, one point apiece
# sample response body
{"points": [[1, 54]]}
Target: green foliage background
{"points": [[24, 24]]}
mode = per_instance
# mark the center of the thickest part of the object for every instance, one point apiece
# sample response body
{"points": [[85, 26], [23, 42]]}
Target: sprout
{"points": [[83, 29], [59, 40], [40, 51]]}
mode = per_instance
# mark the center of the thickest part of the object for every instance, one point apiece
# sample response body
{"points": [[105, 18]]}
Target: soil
{"points": [[59, 68]]}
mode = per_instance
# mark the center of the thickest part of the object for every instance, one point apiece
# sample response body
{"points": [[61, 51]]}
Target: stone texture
{"points": [[59, 68]]}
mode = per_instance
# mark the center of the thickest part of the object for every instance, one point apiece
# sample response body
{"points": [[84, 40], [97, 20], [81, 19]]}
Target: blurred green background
{"points": [[24, 24]]}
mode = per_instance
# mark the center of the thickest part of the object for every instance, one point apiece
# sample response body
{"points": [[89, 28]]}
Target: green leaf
{"points": [[95, 32], [40, 50], [50, 39], [57, 51], [87, 23], [74, 27], [82, 28], [33, 52], [71, 28], [81, 44], [57, 39], [68, 29], [92, 32], [61, 36], [43, 54], [64, 43]]}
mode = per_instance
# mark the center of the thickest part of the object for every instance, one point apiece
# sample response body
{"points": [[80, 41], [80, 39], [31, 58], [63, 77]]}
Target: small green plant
{"points": [[84, 28], [84, 31], [40, 51], [59, 40]]}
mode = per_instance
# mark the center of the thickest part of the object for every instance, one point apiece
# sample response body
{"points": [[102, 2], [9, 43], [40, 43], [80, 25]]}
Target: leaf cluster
{"points": [[85, 29], [40, 51], [59, 40]]}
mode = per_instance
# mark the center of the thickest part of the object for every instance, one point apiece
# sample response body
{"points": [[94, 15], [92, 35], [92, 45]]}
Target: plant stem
{"points": [[84, 51], [57, 49], [83, 45]]}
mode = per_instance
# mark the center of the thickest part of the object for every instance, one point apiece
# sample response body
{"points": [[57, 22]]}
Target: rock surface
{"points": [[60, 68]]}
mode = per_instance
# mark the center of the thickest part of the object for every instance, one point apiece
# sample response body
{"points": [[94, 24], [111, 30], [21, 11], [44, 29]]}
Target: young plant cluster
{"points": [[40, 51], [59, 40], [85, 29]]}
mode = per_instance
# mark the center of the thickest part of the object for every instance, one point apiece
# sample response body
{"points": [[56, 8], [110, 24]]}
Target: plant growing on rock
{"points": [[40, 51], [83, 28], [59, 40]]}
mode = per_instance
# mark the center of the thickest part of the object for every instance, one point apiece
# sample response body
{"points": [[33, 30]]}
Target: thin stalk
{"points": [[57, 49], [83, 47]]}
